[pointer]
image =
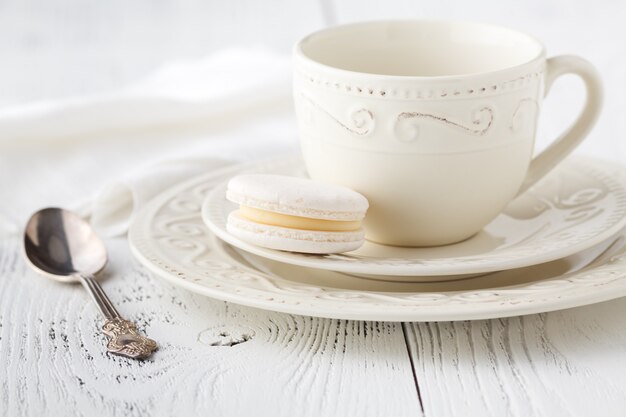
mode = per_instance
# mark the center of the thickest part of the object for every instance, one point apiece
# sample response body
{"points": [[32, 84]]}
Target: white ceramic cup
{"points": [[434, 122]]}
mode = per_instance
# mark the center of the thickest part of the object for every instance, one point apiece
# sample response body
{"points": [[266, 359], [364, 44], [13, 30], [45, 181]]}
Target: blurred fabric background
{"points": [[62, 49]]}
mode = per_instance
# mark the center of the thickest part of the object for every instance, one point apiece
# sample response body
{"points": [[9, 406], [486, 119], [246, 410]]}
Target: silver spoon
{"points": [[62, 246]]}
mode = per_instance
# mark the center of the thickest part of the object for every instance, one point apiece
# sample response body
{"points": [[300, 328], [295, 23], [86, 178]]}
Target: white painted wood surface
{"points": [[54, 362], [568, 363]]}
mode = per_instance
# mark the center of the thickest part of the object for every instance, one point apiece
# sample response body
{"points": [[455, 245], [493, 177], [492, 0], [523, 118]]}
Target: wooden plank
{"points": [[567, 363], [54, 363]]}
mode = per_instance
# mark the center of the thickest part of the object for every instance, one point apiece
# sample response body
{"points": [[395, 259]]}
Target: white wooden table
{"points": [[221, 359]]}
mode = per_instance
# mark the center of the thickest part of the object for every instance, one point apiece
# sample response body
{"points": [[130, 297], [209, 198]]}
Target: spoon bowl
{"points": [[61, 245]]}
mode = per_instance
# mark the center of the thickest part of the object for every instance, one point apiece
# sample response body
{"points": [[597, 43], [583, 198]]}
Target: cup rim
{"points": [[299, 54]]}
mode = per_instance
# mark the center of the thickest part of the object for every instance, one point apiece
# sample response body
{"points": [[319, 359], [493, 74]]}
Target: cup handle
{"points": [[573, 136]]}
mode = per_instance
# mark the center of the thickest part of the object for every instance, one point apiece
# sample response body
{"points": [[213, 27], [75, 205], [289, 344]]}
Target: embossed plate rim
{"points": [[234, 283]]}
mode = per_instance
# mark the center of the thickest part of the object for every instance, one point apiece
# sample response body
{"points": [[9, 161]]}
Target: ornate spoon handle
{"points": [[123, 336]]}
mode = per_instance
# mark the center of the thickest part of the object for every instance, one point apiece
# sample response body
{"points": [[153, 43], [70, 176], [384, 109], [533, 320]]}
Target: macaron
{"points": [[296, 214]]}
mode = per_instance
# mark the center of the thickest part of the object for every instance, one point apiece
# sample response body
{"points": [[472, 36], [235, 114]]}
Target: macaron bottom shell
{"points": [[293, 240]]}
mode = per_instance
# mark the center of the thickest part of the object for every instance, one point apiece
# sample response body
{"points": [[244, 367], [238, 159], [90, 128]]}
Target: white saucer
{"points": [[581, 203], [170, 239]]}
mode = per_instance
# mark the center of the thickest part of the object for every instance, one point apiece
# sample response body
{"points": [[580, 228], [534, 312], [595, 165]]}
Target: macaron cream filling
{"points": [[295, 214], [296, 222]]}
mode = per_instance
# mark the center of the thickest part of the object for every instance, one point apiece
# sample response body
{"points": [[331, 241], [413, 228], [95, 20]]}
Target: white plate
{"points": [[170, 239], [581, 203]]}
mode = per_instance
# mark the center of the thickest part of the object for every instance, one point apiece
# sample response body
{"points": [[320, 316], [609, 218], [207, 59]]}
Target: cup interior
{"points": [[420, 48]]}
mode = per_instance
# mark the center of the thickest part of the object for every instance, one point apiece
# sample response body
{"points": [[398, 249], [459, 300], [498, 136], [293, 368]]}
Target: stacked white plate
{"points": [[559, 245]]}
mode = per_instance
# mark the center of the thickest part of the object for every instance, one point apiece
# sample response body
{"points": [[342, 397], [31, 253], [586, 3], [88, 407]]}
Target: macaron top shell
{"points": [[297, 197]]}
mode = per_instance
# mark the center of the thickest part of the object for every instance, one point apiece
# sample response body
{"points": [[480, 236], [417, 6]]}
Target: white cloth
{"points": [[84, 144], [226, 82], [118, 202]]}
